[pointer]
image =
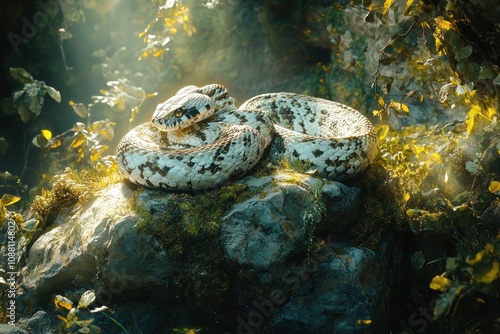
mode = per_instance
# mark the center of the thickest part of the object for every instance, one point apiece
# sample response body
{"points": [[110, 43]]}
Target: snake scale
{"points": [[199, 139]]}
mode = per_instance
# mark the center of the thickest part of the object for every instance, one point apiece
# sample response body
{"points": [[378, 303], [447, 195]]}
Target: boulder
{"points": [[39, 323], [99, 243], [8, 329], [198, 247]]}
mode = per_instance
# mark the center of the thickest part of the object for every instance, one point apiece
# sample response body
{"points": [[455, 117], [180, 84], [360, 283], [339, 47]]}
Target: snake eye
{"points": [[179, 113]]}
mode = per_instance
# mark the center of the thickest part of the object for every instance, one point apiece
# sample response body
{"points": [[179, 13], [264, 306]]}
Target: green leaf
{"points": [[445, 302], [464, 52], [79, 108], [55, 94], [30, 225], [387, 60], [32, 89], [35, 104], [20, 74], [384, 79], [469, 69], [24, 112], [487, 72], [18, 94]]}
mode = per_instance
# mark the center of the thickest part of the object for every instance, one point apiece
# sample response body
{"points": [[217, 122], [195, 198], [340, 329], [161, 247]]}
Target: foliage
{"points": [[295, 165], [73, 187], [77, 319], [312, 217], [83, 143], [65, 193], [442, 32], [5, 214], [470, 290], [411, 156], [80, 144], [30, 98], [171, 16]]}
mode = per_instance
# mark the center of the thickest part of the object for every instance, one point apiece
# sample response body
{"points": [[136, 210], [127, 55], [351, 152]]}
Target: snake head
{"points": [[181, 111]]}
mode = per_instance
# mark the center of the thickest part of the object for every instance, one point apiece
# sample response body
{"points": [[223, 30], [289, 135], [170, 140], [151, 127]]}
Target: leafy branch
{"points": [[30, 98]]}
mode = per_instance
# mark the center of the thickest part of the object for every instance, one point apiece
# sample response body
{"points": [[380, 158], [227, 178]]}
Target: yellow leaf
{"points": [[406, 197], [387, 5], [364, 322], [420, 149], [380, 100], [55, 143], [479, 255], [84, 323], [439, 45], [490, 112], [443, 24], [399, 106], [9, 200], [494, 187], [47, 134], [96, 152], [471, 118], [440, 283], [407, 10], [383, 130], [437, 158], [79, 140], [411, 212], [158, 53], [63, 302], [490, 275]]}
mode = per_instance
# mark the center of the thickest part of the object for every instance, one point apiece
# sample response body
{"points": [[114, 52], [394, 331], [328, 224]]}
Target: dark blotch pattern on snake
{"points": [[198, 139]]}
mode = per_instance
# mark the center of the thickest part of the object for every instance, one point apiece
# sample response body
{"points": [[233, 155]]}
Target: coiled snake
{"points": [[198, 139]]}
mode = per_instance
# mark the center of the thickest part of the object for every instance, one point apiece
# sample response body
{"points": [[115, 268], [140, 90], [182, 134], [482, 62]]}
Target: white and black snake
{"points": [[197, 139]]}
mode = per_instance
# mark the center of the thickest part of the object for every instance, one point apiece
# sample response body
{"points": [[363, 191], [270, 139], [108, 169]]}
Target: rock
{"points": [[340, 293], [102, 244], [8, 329], [338, 289], [121, 244], [39, 323], [267, 228]]}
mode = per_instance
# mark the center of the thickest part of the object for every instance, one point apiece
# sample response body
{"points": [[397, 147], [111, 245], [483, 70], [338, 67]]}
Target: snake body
{"points": [[197, 139]]}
